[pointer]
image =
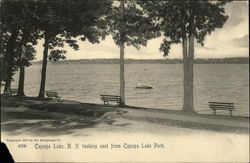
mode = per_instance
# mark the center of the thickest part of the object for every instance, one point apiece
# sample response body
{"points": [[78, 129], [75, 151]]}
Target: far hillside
{"points": [[238, 60]]}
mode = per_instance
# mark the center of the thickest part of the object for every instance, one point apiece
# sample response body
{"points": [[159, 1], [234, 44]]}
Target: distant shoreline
{"points": [[238, 60]]}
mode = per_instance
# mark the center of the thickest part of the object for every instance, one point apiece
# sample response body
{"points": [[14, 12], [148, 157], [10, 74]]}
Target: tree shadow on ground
{"points": [[33, 116]]}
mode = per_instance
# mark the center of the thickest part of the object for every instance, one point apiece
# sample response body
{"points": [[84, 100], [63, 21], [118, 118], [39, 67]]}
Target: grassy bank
{"points": [[45, 117], [42, 116]]}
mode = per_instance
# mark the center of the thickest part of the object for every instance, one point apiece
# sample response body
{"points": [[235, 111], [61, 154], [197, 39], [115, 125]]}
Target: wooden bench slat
{"points": [[222, 109], [111, 98], [222, 106], [227, 106], [221, 103], [51, 92]]}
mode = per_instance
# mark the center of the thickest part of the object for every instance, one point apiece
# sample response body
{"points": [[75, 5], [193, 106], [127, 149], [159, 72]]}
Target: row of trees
{"points": [[132, 23], [24, 22]]}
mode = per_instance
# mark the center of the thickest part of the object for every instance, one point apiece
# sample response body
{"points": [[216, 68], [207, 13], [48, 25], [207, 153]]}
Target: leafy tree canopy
{"points": [[15, 15], [180, 18], [136, 27], [63, 21]]}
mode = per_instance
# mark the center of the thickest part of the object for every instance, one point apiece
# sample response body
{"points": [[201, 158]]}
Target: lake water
{"points": [[85, 82]]}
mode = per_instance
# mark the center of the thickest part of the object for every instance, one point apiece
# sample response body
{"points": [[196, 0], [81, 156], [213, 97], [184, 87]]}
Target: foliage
{"points": [[57, 54], [63, 21], [180, 19], [15, 16], [136, 27]]}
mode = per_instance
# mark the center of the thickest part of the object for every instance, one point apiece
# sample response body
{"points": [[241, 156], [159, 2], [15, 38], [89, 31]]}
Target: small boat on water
{"points": [[143, 86]]}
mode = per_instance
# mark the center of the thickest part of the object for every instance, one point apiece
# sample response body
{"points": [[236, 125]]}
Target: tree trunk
{"points": [[190, 74], [185, 75], [21, 81], [22, 69], [188, 60], [10, 60], [122, 76], [1, 70], [188, 69], [43, 74], [1, 52]]}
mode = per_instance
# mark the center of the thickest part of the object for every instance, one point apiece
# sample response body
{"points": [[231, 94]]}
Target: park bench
{"points": [[107, 98], [13, 91], [53, 95], [221, 106]]}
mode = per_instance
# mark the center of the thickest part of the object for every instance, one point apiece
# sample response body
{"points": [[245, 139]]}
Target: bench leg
{"points": [[231, 113], [214, 111]]}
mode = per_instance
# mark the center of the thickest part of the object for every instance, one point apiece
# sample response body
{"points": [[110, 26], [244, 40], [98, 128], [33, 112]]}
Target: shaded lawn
{"points": [[31, 115]]}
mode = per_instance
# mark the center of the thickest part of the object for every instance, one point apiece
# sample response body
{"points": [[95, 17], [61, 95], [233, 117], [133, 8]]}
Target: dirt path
{"points": [[197, 121]]}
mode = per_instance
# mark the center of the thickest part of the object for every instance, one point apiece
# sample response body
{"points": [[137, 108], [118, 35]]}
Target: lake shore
{"points": [[89, 115], [181, 137]]}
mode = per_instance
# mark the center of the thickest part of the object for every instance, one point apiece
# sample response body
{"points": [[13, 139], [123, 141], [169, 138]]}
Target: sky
{"points": [[230, 41]]}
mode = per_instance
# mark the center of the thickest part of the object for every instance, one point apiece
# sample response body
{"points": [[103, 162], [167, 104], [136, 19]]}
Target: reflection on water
{"points": [[212, 82]]}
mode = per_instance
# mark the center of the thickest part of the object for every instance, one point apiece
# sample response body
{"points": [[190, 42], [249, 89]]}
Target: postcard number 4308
{"points": [[22, 145]]}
